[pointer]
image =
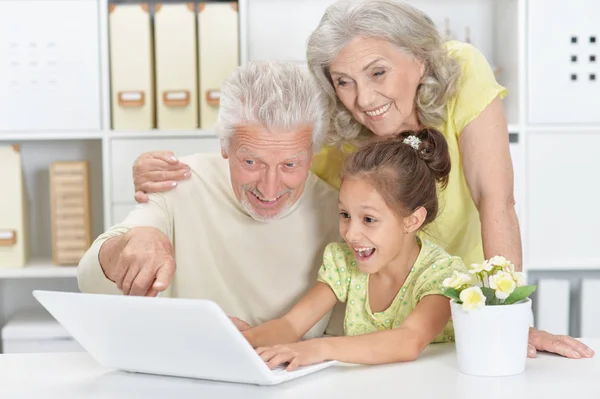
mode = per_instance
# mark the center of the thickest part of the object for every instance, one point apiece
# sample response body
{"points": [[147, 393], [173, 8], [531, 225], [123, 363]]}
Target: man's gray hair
{"points": [[277, 95]]}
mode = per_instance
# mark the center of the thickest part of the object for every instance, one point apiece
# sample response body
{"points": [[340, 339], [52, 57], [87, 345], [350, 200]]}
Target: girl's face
{"points": [[377, 82], [369, 226]]}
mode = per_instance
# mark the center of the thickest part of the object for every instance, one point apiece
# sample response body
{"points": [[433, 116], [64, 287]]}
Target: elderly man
{"points": [[249, 227]]}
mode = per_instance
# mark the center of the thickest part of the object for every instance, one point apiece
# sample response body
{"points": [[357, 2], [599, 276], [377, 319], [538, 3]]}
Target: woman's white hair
{"points": [[277, 95], [400, 24]]}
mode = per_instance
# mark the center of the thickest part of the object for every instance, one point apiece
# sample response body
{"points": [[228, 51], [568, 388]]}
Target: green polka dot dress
{"points": [[350, 285]]}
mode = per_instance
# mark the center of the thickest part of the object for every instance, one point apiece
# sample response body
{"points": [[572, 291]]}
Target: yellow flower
{"points": [[472, 298], [503, 284], [480, 267], [519, 278], [457, 280], [498, 261]]}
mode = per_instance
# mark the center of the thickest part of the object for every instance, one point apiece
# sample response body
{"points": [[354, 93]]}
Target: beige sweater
{"points": [[254, 270]]}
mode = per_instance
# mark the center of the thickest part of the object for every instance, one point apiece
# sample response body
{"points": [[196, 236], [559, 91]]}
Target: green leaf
{"points": [[453, 294], [490, 294], [520, 293]]}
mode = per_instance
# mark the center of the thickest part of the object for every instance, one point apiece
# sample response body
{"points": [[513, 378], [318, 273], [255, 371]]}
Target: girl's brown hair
{"points": [[405, 176]]}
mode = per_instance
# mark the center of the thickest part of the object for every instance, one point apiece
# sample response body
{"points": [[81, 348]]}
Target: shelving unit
{"points": [[158, 134], [38, 268], [110, 152], [43, 136], [502, 29]]}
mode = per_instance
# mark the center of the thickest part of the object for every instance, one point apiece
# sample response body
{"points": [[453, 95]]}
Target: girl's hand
{"points": [[239, 323], [297, 354], [157, 171]]}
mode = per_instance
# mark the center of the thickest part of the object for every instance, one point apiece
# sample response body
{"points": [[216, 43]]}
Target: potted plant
{"points": [[491, 313]]}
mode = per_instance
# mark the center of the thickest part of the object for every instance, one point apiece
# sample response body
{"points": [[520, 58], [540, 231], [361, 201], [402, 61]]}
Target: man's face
{"points": [[269, 169]]}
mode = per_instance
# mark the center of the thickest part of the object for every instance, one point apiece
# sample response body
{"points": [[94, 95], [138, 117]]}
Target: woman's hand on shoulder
{"points": [[157, 171]]}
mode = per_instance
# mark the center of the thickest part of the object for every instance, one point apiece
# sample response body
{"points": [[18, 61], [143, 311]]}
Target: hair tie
{"points": [[412, 141]]}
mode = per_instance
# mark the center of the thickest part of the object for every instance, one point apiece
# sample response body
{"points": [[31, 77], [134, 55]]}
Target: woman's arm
{"points": [[489, 172], [297, 322], [401, 344], [156, 172]]}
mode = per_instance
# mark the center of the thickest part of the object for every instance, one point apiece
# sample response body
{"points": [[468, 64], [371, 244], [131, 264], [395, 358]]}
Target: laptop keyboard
{"points": [[280, 370], [281, 374]]}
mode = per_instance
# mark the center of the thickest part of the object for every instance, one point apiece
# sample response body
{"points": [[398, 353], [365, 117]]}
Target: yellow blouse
{"points": [[457, 228]]}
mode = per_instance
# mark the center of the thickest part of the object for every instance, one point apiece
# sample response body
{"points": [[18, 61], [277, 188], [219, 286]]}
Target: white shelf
{"points": [[99, 135], [144, 134], [583, 265], [563, 128], [58, 135], [39, 268], [513, 128]]}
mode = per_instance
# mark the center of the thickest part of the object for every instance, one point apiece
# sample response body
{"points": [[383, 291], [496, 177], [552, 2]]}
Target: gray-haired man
{"points": [[248, 229]]}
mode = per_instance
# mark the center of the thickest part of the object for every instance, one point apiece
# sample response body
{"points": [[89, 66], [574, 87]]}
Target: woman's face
{"points": [[377, 82]]}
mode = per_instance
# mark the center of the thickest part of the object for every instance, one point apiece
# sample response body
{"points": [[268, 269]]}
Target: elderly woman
{"points": [[384, 68]]}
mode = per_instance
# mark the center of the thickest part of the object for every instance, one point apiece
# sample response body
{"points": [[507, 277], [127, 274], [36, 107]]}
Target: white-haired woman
{"points": [[384, 68]]}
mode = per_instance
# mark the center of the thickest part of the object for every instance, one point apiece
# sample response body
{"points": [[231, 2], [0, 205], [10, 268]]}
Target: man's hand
{"points": [[140, 263], [560, 344], [155, 172]]}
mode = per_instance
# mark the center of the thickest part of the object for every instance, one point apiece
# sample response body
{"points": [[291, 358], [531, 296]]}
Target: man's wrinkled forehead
{"points": [[248, 152], [258, 142]]}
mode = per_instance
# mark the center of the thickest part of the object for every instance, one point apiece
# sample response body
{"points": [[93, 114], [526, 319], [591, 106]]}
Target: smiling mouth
{"points": [[379, 111], [266, 201], [363, 253]]}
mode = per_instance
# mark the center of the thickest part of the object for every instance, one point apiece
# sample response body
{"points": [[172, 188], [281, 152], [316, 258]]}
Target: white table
{"points": [[433, 376]]}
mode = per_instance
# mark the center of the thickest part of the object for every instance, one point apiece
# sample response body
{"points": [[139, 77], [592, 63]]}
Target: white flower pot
{"points": [[492, 341]]}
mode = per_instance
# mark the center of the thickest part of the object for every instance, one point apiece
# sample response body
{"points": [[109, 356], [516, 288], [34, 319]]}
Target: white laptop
{"points": [[167, 336]]}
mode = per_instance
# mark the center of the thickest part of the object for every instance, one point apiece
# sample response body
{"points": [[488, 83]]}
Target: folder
{"points": [[176, 66], [14, 209], [218, 54], [70, 211], [131, 67]]}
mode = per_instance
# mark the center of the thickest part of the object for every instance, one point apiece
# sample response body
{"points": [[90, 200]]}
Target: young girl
{"points": [[390, 279]]}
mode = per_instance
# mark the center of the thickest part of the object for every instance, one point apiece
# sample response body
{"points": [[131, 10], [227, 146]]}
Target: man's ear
{"points": [[414, 221], [225, 147]]}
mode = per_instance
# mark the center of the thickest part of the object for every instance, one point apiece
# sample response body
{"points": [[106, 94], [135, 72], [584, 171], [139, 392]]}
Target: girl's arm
{"points": [[405, 343], [297, 322], [401, 344]]}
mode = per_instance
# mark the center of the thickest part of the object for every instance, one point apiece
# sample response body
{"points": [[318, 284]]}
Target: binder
{"points": [[176, 66], [218, 54], [14, 209], [131, 67], [70, 211]]}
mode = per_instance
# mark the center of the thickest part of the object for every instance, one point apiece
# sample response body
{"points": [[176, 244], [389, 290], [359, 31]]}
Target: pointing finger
{"points": [[164, 275]]}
